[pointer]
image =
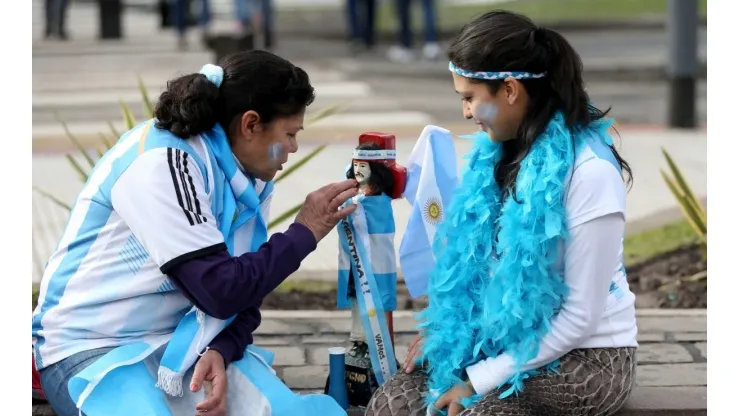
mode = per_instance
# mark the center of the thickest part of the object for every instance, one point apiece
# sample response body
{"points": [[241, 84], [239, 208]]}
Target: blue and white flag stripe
{"points": [[432, 179], [381, 227]]}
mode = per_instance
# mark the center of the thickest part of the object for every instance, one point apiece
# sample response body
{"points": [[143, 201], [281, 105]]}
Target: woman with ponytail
{"points": [[148, 305], [532, 315]]}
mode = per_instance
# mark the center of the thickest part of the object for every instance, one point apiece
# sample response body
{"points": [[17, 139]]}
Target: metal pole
{"points": [[682, 26]]}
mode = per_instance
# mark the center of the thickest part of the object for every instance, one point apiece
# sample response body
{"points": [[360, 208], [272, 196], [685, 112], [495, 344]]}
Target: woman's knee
{"points": [[402, 394]]}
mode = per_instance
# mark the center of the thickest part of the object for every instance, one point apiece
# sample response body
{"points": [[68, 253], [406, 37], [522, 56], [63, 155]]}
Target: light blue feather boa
{"points": [[488, 298]]}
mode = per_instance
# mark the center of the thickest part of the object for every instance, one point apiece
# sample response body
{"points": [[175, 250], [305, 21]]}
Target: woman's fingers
{"points": [[412, 355]]}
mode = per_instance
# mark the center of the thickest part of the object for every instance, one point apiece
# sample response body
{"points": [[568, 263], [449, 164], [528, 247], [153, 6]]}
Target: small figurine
{"points": [[367, 265]]}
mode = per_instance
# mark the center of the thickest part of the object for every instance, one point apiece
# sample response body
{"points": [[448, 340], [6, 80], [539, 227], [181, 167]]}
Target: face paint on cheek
{"points": [[275, 152], [485, 113]]}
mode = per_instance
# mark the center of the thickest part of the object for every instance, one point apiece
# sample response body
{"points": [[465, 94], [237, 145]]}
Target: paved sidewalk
{"points": [[671, 372], [649, 203], [671, 359]]}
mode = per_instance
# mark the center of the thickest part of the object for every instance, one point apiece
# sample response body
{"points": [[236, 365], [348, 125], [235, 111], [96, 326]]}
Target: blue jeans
{"points": [[180, 14], [54, 380], [55, 11], [244, 9], [361, 20], [404, 18]]}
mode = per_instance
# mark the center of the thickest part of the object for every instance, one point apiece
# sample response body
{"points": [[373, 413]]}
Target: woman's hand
{"points": [[211, 370], [320, 213], [452, 398], [413, 354]]}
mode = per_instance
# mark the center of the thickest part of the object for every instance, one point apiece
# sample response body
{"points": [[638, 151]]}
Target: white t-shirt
{"points": [[599, 311]]}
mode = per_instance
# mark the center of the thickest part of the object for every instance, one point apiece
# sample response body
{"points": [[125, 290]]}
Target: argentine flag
{"points": [[432, 178]]}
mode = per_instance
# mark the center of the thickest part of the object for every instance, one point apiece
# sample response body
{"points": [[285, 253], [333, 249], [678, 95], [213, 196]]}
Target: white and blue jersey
{"points": [[101, 287]]}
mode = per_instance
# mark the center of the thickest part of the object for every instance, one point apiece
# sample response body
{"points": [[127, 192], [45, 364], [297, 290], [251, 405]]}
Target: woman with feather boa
{"points": [[532, 315]]}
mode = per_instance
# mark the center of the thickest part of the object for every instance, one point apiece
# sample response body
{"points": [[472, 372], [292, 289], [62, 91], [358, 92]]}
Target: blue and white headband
{"points": [[214, 73], [495, 75]]}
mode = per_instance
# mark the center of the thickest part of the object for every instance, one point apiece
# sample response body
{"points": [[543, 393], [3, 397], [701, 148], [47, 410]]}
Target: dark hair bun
{"points": [[188, 106], [253, 80]]}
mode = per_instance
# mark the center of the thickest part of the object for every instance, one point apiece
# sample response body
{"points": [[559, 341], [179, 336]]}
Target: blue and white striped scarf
{"points": [[196, 330]]}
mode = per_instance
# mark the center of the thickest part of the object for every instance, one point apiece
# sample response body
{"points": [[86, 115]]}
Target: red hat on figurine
{"points": [[386, 155]]}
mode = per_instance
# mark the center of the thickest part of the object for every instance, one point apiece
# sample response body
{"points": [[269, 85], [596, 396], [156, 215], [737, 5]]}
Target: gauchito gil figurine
{"points": [[367, 265]]}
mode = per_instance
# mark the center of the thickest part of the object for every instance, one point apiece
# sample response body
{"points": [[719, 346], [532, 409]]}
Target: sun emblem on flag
{"points": [[433, 211], [371, 313]]}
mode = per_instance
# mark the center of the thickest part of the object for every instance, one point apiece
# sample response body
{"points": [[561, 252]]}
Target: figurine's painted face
{"points": [[362, 171]]}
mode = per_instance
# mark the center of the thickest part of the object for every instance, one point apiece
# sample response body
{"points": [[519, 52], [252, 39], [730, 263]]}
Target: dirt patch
{"points": [[645, 280]]}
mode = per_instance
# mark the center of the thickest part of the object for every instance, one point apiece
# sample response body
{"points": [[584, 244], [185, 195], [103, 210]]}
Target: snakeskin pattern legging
{"points": [[594, 381]]}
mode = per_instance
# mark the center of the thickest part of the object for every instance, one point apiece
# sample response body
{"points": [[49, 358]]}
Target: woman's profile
{"points": [[529, 308]]}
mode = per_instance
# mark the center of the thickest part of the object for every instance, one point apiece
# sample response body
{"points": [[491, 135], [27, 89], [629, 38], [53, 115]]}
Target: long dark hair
{"points": [[381, 177], [253, 80], [505, 41]]}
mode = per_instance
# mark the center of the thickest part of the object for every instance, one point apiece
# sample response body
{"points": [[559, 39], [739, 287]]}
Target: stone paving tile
{"points": [[672, 324], [650, 337], [279, 327], [317, 355], [663, 353], [690, 336], [702, 347], [667, 375], [289, 356], [335, 340], [335, 325], [306, 377], [268, 340], [674, 401]]}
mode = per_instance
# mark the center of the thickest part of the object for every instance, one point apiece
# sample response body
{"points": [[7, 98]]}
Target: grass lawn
{"points": [[650, 243], [543, 11], [637, 247]]}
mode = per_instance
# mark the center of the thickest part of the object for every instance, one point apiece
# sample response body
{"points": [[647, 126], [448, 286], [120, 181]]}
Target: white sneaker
{"points": [[400, 54], [432, 51]]}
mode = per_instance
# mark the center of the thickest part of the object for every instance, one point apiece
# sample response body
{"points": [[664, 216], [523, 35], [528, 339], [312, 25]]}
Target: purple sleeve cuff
{"points": [[303, 239], [234, 339], [227, 349]]}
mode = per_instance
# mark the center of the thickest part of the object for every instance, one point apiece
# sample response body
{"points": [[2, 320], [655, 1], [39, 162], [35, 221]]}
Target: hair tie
{"points": [[214, 73]]}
